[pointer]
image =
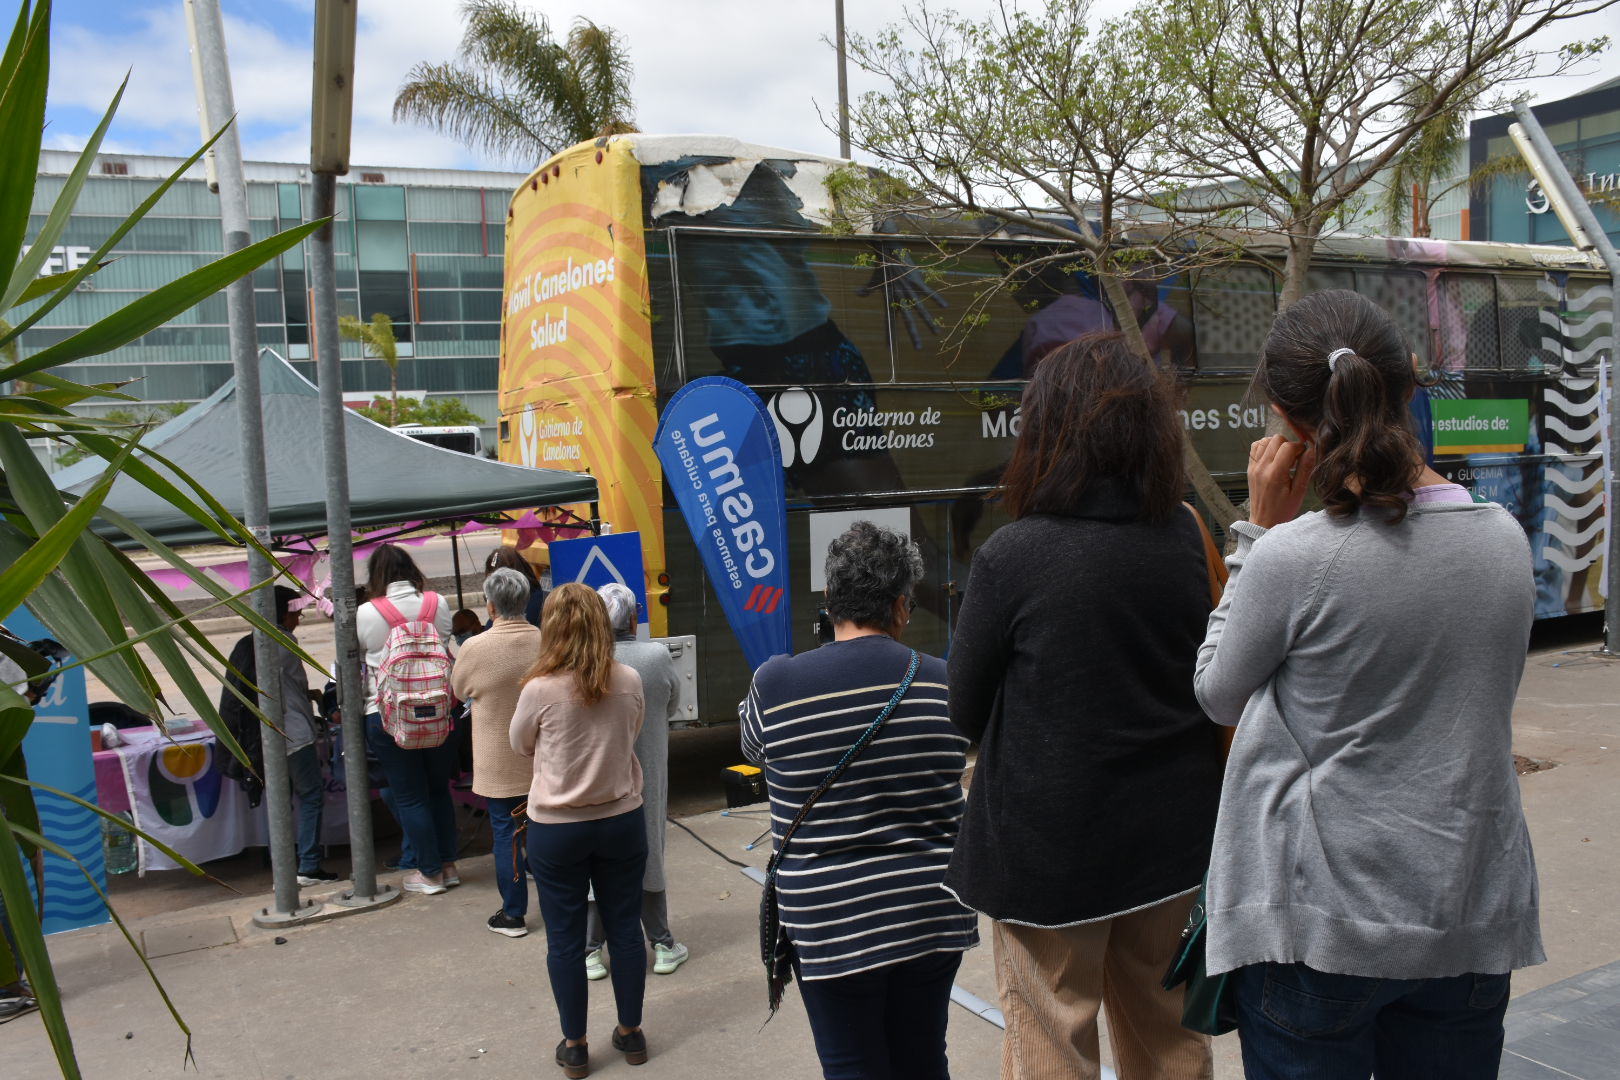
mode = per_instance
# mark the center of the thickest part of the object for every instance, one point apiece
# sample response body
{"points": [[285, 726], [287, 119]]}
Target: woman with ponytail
{"points": [[1372, 883]]}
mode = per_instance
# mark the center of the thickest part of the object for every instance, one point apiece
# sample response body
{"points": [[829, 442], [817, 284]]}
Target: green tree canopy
{"points": [[1292, 107], [434, 412], [517, 94]]}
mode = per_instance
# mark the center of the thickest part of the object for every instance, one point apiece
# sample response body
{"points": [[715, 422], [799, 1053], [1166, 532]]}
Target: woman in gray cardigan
{"points": [[1372, 883], [661, 689]]}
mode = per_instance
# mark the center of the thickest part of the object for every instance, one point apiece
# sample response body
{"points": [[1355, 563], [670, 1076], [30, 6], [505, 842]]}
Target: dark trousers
{"points": [[309, 795], [883, 1024], [420, 782], [510, 879], [1297, 1023], [567, 862]]}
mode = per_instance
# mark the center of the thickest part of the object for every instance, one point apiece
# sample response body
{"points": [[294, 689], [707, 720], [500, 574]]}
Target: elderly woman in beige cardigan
{"points": [[489, 673], [661, 689]]}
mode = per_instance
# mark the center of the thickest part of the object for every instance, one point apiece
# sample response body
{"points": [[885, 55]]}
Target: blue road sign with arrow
{"points": [[597, 560]]}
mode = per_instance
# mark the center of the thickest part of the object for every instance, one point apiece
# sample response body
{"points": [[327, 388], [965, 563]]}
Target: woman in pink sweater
{"points": [[578, 717]]}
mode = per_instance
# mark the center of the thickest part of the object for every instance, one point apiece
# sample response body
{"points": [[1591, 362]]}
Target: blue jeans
{"points": [[883, 1024], [309, 792], [514, 893], [420, 780], [407, 857], [1297, 1023], [568, 861]]}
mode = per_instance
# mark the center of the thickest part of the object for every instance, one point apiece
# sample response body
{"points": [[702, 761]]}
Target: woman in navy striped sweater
{"points": [[878, 939]]}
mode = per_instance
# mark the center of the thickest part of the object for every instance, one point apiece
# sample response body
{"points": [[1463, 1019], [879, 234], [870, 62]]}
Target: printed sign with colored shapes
{"points": [[1482, 426], [597, 560]]}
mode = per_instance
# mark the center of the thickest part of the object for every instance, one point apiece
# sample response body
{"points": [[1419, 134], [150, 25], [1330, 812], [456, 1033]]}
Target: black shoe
{"points": [[575, 1060], [317, 876], [633, 1046], [502, 923], [15, 1005]]}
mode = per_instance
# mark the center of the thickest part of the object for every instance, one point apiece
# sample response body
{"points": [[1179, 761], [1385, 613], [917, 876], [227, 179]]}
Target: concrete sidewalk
{"points": [[422, 989]]}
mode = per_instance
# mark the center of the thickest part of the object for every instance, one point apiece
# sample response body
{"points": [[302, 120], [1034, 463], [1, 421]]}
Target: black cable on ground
{"points": [[705, 843]]}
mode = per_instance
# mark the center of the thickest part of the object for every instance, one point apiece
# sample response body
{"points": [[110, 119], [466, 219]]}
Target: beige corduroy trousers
{"points": [[1053, 981]]}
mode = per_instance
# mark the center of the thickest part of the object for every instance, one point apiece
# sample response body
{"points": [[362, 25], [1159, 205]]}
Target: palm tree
{"points": [[515, 93], [1425, 171], [378, 338]]}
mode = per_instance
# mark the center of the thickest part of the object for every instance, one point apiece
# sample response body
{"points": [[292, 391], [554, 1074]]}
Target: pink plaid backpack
{"points": [[413, 679]]}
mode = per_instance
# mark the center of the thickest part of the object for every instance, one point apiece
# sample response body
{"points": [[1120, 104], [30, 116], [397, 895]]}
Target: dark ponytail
{"points": [[1357, 404]]}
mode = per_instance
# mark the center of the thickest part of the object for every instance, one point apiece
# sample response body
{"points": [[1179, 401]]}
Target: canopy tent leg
{"points": [[455, 563]]}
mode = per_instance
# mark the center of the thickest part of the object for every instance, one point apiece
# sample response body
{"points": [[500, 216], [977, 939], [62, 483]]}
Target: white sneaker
{"points": [[417, 882], [594, 968], [666, 958]]}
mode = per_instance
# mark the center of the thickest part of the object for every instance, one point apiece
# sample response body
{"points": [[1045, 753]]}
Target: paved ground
{"points": [[423, 990], [1570, 1029]]}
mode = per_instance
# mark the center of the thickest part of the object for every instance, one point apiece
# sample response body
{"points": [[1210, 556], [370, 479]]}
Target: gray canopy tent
{"points": [[393, 478]]}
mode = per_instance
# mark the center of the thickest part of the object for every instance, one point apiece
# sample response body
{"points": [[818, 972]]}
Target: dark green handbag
{"points": [[1211, 1003]]}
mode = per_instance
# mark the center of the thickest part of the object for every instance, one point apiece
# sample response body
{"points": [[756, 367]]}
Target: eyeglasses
{"points": [[911, 604]]}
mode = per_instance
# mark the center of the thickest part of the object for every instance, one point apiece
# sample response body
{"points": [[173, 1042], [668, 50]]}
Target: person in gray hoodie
{"points": [[1372, 884]]}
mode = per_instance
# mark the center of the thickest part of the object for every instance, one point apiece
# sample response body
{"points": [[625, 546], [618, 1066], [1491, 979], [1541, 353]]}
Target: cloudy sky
{"points": [[756, 69]]}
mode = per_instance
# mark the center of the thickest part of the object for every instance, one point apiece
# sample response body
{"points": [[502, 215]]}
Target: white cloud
{"points": [[734, 67]]}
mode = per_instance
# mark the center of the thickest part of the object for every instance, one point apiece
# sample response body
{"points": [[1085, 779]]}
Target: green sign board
{"points": [[1482, 426]]}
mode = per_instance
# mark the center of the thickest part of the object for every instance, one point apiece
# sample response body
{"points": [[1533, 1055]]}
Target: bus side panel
{"points": [[1548, 473], [724, 675], [576, 341]]}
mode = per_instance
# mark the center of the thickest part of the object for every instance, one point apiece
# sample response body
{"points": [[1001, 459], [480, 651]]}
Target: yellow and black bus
{"points": [[636, 263]]}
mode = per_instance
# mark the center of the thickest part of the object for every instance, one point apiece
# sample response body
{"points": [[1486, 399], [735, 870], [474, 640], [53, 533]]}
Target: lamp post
{"points": [[332, 106], [843, 81], [1585, 233], [212, 71]]}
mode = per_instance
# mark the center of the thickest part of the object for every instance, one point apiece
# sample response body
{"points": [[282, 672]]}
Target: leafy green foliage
{"points": [[378, 338], [517, 94], [436, 412], [1291, 110], [89, 594], [144, 417]]}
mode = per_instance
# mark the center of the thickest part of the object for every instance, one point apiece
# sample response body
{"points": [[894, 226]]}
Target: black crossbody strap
{"points": [[843, 763]]}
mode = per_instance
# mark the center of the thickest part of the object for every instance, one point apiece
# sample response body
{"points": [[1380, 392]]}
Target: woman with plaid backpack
{"points": [[403, 630]]}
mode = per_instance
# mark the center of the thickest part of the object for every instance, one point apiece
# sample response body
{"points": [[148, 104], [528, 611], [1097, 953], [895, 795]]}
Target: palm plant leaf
{"points": [[473, 110], [84, 590], [602, 66], [43, 842], [160, 305], [95, 263], [31, 951], [24, 275], [22, 123], [516, 93]]}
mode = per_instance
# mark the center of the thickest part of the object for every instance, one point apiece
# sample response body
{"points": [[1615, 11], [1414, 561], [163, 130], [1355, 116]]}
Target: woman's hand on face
{"points": [[1279, 475]]}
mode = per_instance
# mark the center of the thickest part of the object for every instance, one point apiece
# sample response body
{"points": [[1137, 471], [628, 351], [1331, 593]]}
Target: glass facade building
{"points": [[1585, 129], [422, 246]]}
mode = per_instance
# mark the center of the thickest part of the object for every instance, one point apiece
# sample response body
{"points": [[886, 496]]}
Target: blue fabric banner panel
{"points": [[58, 751], [718, 447]]}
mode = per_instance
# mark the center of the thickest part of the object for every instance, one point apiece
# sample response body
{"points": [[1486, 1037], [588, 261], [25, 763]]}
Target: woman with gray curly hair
{"points": [[876, 937], [661, 689]]}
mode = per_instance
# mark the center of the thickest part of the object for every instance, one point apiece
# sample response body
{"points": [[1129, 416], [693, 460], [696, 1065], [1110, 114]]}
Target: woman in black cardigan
{"points": [[1089, 819]]}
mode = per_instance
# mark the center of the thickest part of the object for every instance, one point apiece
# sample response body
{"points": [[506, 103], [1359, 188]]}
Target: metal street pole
{"points": [[218, 107], [843, 83], [332, 104], [1584, 231]]}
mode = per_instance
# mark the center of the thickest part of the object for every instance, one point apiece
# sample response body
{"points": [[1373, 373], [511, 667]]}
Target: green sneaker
{"points": [[594, 968], [666, 958]]}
